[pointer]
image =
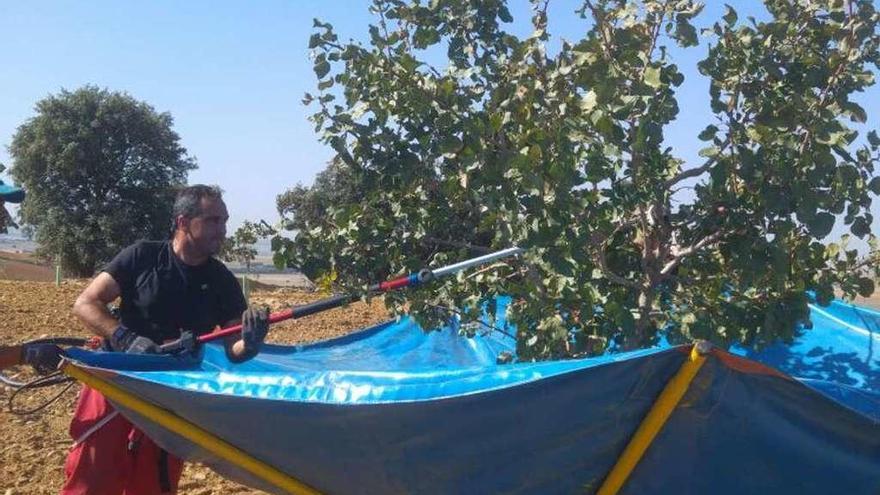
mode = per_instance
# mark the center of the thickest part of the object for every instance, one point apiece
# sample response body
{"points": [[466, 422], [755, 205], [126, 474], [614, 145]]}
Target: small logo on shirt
{"points": [[204, 286]]}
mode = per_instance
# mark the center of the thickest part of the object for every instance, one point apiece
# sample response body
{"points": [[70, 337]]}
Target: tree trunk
{"points": [[644, 328]]}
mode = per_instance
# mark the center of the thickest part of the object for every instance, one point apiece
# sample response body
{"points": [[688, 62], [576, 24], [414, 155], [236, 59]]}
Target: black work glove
{"points": [[126, 340], [43, 357], [254, 327]]}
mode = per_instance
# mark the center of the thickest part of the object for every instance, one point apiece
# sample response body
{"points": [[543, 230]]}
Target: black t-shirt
{"points": [[161, 295]]}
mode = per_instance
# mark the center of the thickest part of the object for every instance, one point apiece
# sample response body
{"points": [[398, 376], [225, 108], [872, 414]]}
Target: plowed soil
{"points": [[34, 446]]}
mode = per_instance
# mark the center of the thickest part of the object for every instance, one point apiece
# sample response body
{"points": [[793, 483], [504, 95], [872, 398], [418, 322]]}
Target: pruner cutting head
{"points": [[425, 276]]}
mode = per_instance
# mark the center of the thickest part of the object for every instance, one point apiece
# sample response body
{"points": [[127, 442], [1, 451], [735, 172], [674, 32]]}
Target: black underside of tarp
{"points": [[734, 432], [556, 435]]}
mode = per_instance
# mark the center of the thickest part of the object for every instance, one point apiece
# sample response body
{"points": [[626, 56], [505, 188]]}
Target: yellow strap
{"points": [[190, 431], [653, 422]]}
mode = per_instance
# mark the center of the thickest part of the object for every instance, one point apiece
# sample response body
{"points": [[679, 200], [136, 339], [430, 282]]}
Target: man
{"points": [[166, 287]]}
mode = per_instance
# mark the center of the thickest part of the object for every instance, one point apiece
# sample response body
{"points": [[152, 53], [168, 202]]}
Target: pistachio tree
{"points": [[564, 153]]}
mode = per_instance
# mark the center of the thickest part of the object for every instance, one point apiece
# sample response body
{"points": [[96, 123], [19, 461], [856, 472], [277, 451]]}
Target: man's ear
{"points": [[182, 223]]}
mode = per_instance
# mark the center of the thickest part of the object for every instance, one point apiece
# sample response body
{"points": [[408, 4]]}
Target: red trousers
{"points": [[114, 458]]}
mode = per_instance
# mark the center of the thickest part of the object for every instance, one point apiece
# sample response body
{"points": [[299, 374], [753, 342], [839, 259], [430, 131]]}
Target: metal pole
{"points": [[417, 278], [457, 267]]}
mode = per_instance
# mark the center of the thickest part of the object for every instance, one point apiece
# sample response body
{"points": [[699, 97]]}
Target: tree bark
{"points": [[644, 326]]}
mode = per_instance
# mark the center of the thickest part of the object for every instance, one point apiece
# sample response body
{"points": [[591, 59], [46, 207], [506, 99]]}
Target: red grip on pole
{"points": [[394, 284], [273, 318]]}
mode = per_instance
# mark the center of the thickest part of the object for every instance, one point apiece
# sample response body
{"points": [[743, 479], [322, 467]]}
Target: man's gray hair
{"points": [[189, 200]]}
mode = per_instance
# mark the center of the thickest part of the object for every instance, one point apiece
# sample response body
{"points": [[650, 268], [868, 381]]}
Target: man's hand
{"points": [[43, 357], [126, 340], [254, 327]]}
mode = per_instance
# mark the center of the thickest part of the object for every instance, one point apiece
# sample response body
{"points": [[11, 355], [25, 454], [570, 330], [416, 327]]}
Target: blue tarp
{"points": [[392, 409], [839, 357]]}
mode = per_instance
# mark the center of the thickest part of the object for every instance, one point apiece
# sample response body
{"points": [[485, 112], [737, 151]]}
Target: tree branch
{"points": [[679, 255], [489, 268], [696, 172], [599, 243], [601, 24], [610, 275]]}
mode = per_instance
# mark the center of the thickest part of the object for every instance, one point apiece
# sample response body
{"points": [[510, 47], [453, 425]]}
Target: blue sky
{"points": [[232, 75]]}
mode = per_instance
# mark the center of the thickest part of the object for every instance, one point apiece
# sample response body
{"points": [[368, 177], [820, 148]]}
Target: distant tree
{"points": [[240, 247], [564, 154], [340, 188], [100, 169], [302, 206]]}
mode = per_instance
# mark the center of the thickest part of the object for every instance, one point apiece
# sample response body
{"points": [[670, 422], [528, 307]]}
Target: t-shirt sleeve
{"points": [[123, 268], [233, 302]]}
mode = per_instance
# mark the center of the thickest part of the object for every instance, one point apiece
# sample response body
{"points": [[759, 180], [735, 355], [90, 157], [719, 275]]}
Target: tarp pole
{"points": [[191, 432], [655, 419]]}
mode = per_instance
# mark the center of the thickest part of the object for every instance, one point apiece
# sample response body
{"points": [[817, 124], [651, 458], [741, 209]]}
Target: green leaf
{"points": [[825, 158], [322, 68], [832, 250], [652, 77], [677, 78], [588, 102], [314, 40], [874, 185], [318, 24], [685, 34], [866, 287], [855, 111], [504, 14], [708, 133], [710, 151], [450, 144], [821, 224], [425, 37], [873, 139], [729, 16], [860, 227]]}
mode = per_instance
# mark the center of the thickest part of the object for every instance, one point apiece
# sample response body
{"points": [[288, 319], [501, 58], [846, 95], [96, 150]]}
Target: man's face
{"points": [[208, 230]]}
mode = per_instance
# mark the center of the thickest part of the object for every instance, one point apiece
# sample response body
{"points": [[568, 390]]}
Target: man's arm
{"points": [[91, 305], [233, 344]]}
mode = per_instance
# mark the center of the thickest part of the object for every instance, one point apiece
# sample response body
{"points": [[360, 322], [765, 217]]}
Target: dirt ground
{"points": [[34, 446]]}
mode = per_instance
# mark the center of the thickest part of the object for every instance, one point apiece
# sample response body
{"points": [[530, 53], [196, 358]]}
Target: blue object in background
{"points": [[11, 194]]}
